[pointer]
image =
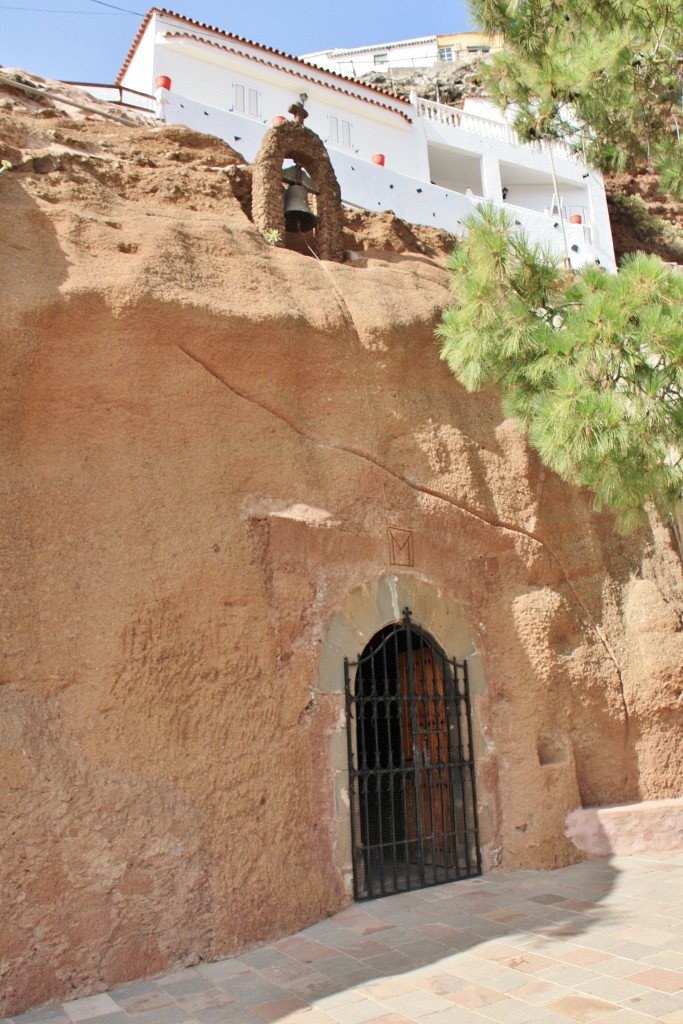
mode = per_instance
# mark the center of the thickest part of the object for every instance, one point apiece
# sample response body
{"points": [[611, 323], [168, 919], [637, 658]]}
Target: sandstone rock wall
{"points": [[204, 442]]}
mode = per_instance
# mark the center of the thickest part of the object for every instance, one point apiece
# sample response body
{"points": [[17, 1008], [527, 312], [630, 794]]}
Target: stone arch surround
{"points": [[293, 141], [365, 610]]}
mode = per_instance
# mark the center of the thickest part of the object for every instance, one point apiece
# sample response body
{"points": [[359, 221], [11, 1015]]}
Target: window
{"points": [[380, 58], [246, 101], [445, 53], [340, 131]]}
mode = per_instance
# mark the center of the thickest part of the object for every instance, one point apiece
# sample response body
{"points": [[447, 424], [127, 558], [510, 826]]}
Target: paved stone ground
{"points": [[602, 940]]}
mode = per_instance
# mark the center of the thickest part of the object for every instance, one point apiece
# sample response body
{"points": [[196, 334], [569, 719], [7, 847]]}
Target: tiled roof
{"points": [[331, 79]]}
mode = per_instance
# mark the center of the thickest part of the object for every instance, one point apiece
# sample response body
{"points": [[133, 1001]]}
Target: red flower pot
{"points": [[575, 218], [378, 158], [163, 82], [278, 119]]}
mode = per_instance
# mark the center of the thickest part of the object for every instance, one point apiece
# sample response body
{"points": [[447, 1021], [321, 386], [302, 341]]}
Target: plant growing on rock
{"points": [[591, 363]]}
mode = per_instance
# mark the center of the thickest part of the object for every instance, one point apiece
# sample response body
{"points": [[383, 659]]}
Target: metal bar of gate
{"points": [[353, 780], [416, 754]]}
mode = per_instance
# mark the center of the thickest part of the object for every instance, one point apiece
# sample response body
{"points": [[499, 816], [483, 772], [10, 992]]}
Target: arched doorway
{"points": [[411, 768]]}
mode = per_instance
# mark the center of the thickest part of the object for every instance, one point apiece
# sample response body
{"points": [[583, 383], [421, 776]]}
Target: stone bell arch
{"points": [[291, 140]]}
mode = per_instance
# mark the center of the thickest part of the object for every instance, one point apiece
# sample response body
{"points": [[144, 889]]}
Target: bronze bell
{"points": [[298, 214]]}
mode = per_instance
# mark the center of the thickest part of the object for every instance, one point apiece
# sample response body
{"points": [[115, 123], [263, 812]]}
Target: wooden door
{"points": [[429, 818]]}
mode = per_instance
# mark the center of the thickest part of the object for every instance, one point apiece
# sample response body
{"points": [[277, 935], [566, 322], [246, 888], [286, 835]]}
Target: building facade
{"points": [[428, 163], [407, 53]]}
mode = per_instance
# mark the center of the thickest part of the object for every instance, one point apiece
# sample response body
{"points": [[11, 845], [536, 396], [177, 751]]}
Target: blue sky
{"points": [[87, 40]]}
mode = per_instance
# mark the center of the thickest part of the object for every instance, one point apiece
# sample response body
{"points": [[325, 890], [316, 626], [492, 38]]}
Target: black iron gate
{"points": [[411, 770]]}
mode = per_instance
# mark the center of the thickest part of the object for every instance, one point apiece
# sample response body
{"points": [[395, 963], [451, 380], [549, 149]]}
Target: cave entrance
{"points": [[411, 769]]}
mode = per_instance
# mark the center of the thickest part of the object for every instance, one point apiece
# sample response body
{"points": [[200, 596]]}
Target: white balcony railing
{"points": [[486, 127]]}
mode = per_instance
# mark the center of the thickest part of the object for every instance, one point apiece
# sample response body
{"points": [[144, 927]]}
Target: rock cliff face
{"points": [[205, 441]]}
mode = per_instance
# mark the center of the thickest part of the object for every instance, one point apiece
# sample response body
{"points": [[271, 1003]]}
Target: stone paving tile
{"points": [[660, 979], [616, 990], [387, 988], [356, 1013], [417, 1003], [309, 951], [510, 1011], [125, 994], [449, 1017], [308, 1016], [568, 974], [214, 999], [418, 952], [266, 956], [222, 970], [252, 989], [279, 1008], [282, 973], [616, 967], [186, 986], [583, 1009], [239, 1015], [90, 1007], [357, 977], [530, 963], [340, 966], [44, 1015], [629, 1017], [389, 1018], [155, 1000], [235, 1014], [476, 996], [172, 1014], [657, 1004], [313, 987], [440, 983], [583, 957], [667, 958], [109, 1018], [494, 950], [541, 993], [391, 963]]}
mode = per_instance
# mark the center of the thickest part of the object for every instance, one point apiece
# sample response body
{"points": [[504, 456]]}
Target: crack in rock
{"points": [[422, 489]]}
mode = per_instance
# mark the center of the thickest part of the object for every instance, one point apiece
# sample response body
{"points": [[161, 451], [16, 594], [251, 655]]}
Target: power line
{"points": [[51, 10], [115, 8]]}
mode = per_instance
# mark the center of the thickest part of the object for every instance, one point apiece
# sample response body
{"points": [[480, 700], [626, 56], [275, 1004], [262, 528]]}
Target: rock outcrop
{"points": [[205, 440]]}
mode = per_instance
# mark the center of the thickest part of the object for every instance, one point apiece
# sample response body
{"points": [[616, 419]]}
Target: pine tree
{"points": [[606, 75], [591, 363]]}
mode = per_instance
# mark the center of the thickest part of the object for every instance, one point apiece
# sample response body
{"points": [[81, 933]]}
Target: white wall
{"points": [[140, 73], [420, 53], [209, 77]]}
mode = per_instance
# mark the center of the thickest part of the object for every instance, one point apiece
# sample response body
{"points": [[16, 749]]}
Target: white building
{"points": [[407, 53], [428, 163]]}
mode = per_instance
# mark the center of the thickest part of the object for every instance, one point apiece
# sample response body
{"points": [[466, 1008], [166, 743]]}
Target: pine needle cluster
{"points": [[604, 74], [591, 363]]}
